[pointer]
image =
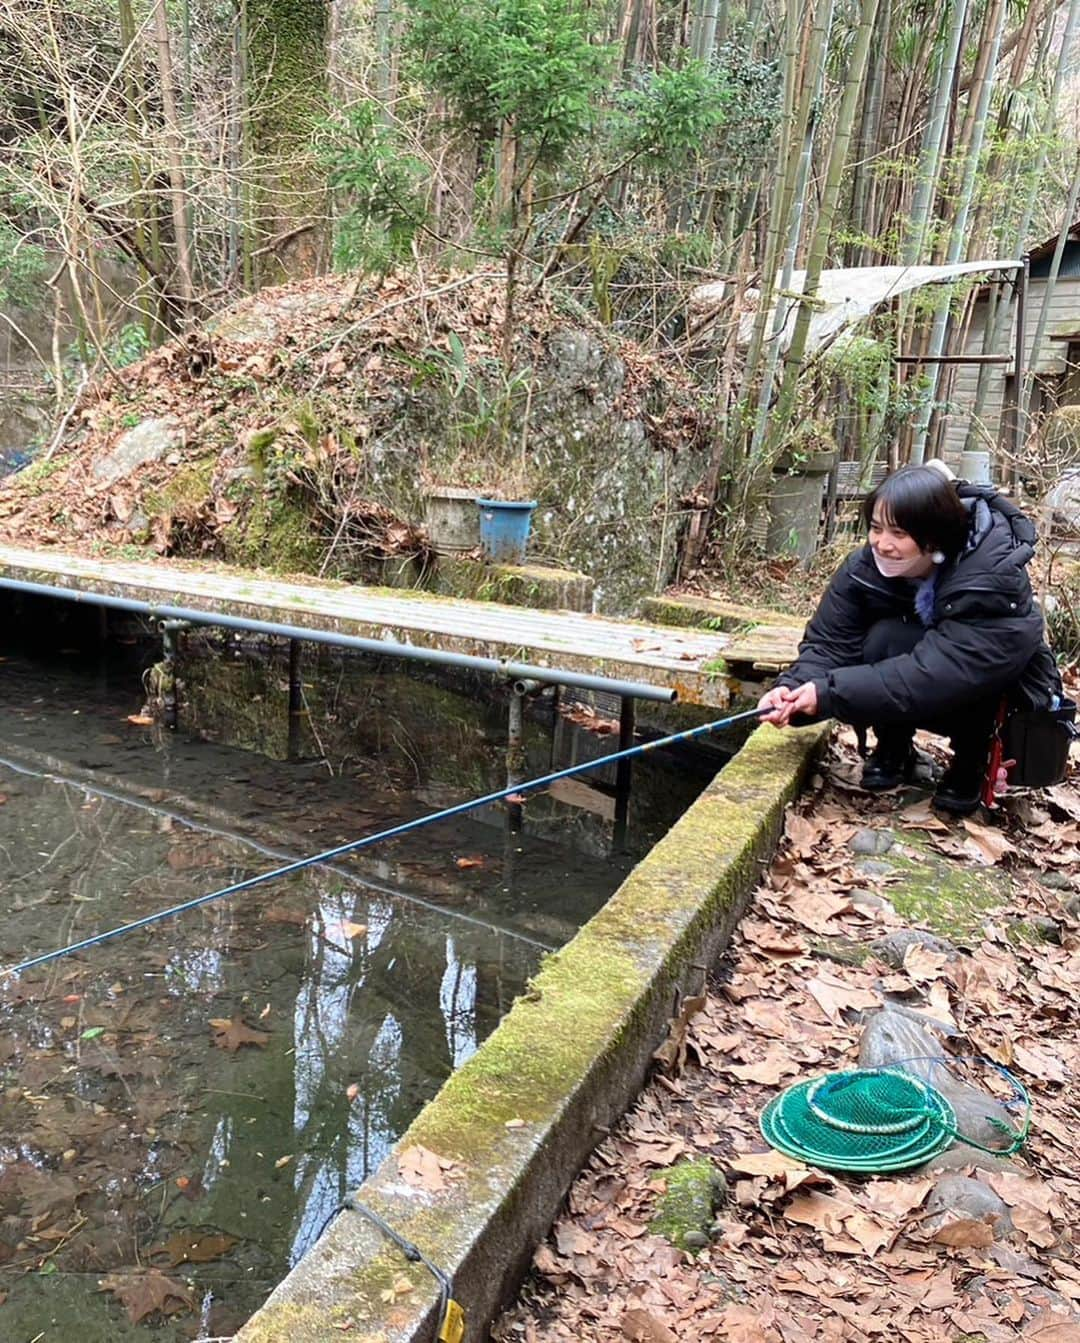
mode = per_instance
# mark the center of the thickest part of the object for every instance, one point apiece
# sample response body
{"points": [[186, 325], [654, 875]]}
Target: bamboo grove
{"points": [[160, 157]]}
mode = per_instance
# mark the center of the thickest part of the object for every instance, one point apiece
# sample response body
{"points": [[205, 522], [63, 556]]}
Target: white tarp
{"points": [[846, 295]]}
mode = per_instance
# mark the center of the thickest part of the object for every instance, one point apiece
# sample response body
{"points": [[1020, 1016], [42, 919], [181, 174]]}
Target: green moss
{"points": [[584, 1000], [258, 449], [273, 533], [34, 479], [709, 613], [185, 494], [951, 900], [694, 1190], [844, 950]]}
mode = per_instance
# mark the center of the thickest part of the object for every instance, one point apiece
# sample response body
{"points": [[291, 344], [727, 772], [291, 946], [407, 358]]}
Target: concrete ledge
{"points": [[514, 1125], [534, 585], [711, 613]]}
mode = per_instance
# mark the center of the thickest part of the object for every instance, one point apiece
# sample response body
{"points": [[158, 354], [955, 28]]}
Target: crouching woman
{"points": [[928, 625]]}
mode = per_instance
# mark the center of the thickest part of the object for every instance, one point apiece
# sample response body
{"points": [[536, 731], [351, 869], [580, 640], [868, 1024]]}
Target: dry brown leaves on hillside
{"points": [[798, 1255], [334, 367]]}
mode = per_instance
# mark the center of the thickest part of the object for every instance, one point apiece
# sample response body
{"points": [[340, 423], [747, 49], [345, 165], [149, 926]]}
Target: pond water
{"points": [[183, 1108]]}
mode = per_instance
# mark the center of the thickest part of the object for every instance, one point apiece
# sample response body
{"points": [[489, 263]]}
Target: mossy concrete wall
{"points": [[711, 613], [514, 1125]]}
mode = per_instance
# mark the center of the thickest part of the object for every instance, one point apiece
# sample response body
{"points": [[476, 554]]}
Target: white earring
{"points": [[938, 557]]}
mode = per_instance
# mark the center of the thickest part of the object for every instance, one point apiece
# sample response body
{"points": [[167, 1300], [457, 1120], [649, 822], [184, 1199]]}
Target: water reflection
{"points": [[197, 1098]]}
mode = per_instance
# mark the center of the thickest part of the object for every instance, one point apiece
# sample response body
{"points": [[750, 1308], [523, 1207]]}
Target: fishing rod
{"points": [[354, 846]]}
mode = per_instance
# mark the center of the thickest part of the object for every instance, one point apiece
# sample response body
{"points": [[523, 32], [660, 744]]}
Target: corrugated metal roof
{"points": [[848, 294], [1070, 262]]}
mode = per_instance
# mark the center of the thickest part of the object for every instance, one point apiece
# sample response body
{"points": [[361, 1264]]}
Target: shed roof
{"points": [[847, 294]]}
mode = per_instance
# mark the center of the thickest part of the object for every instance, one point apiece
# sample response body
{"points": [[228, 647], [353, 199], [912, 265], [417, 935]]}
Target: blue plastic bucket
{"points": [[504, 529]]}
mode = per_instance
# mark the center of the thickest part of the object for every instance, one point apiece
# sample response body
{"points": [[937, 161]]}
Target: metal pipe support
{"points": [[383, 647]]}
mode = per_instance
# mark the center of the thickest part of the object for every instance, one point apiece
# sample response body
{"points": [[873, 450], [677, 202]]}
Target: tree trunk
{"points": [[933, 139], [845, 120], [174, 157], [975, 127]]}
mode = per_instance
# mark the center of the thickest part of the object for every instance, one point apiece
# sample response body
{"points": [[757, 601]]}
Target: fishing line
{"points": [[354, 846]]}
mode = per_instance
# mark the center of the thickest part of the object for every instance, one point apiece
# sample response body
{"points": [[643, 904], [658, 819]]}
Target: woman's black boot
{"points": [[961, 786], [891, 762]]}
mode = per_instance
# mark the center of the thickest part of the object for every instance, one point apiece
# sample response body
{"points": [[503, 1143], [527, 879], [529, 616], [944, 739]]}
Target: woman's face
{"points": [[890, 541]]}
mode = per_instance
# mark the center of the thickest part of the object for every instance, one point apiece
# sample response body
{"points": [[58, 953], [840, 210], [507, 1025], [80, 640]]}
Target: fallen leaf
{"points": [[922, 965], [352, 1091], [640, 1326], [671, 1054], [423, 1169], [230, 1033], [346, 928], [964, 1232], [184, 1248], [767, 1071], [835, 997], [986, 842], [920, 817], [870, 1234], [776, 1165], [140, 720], [815, 908], [282, 1161], [771, 940], [468, 862], [1034, 1224], [144, 1293], [896, 1198], [1046, 1327], [820, 1211], [1039, 1063]]}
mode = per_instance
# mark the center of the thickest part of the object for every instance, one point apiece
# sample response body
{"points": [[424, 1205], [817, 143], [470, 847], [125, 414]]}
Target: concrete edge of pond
{"points": [[512, 1127]]}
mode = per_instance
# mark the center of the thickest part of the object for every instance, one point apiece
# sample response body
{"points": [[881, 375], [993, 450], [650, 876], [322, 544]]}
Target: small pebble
{"points": [[871, 900], [961, 1196], [870, 867], [894, 947], [871, 841]]}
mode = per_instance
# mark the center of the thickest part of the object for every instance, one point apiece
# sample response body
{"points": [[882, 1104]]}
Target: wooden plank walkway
{"points": [[694, 662]]}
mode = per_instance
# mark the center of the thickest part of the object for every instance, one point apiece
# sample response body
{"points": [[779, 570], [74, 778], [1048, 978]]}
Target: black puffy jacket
{"points": [[984, 635]]}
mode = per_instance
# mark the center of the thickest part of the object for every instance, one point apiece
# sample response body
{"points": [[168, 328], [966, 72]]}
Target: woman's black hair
{"points": [[921, 501]]}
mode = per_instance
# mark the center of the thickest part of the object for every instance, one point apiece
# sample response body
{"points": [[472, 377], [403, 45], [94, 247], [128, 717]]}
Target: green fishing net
{"points": [[865, 1119]]}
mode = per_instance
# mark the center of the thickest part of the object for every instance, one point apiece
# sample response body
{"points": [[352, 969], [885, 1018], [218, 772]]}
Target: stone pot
{"points": [[453, 524], [795, 500]]}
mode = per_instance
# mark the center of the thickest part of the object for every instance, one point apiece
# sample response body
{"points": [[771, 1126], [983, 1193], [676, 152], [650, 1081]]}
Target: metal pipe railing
{"points": [[386, 647]]}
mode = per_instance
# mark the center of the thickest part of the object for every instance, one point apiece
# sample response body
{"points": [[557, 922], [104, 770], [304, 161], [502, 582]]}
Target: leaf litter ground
{"points": [[798, 1255]]}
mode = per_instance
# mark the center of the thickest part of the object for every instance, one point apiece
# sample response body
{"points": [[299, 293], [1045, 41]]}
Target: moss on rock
{"points": [[186, 492], [684, 1211]]}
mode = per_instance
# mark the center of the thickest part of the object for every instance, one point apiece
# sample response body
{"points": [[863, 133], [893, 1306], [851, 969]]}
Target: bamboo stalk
{"points": [[795, 354]]}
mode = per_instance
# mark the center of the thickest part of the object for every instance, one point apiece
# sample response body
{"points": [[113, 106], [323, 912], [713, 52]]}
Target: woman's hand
{"points": [[784, 703], [775, 700]]}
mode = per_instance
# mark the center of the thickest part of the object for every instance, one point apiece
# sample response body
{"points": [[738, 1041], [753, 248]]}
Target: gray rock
{"points": [[894, 947], [872, 841], [1020, 1265], [960, 1196], [1056, 881], [961, 1157], [1038, 927], [871, 867], [147, 442], [871, 900]]}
